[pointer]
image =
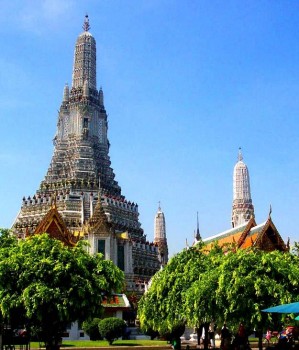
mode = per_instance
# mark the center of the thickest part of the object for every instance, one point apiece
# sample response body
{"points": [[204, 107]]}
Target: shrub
{"points": [[91, 327], [175, 332], [111, 328]]}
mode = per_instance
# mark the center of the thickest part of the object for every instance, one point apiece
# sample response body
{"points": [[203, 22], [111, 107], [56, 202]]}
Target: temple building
{"points": [[160, 236], [245, 232], [79, 197]]}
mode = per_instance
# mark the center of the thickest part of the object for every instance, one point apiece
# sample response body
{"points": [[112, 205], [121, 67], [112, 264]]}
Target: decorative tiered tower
{"points": [[82, 183], [243, 209], [160, 236]]}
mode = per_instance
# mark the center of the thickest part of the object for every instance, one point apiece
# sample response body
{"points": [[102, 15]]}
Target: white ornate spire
{"points": [[160, 235], [160, 227], [85, 59], [242, 204], [66, 93], [83, 120]]}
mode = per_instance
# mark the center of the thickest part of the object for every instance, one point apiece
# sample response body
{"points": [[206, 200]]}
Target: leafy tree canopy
{"points": [[6, 238], [52, 285], [165, 299], [198, 286]]}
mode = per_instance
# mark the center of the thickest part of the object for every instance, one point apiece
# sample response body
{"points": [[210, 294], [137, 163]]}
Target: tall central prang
{"points": [[81, 160], [79, 197]]}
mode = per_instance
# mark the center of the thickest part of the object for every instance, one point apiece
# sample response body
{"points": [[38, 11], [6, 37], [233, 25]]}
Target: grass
{"points": [[103, 343]]}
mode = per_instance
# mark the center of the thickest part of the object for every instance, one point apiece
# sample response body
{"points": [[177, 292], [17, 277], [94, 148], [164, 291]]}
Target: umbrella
{"points": [[297, 318], [292, 308]]}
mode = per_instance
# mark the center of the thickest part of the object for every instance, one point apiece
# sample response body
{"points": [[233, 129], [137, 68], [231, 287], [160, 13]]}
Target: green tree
{"points": [[52, 285], [112, 328], [250, 281], [162, 307], [200, 286], [200, 303], [7, 239]]}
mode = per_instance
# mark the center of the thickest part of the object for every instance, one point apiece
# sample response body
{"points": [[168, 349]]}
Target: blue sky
{"points": [[186, 83]]}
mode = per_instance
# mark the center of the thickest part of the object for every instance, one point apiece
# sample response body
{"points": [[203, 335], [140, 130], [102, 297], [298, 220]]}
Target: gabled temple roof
{"points": [[98, 223], [263, 236], [53, 224], [269, 238]]}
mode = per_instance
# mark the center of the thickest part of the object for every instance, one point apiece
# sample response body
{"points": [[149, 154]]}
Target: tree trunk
{"points": [[198, 335], [260, 340], [259, 335], [206, 341]]}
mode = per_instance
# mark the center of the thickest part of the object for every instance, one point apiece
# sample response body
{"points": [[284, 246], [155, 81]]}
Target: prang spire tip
{"points": [[86, 25], [240, 155]]}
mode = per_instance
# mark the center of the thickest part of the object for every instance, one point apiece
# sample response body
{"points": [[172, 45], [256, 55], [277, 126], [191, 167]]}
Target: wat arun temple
{"points": [[79, 197]]}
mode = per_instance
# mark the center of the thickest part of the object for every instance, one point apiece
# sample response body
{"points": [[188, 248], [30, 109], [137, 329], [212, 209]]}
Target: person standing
{"points": [[225, 337], [241, 337], [211, 333], [268, 336]]}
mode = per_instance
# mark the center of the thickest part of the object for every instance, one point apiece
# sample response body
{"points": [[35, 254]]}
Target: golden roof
{"points": [[263, 236], [53, 224]]}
